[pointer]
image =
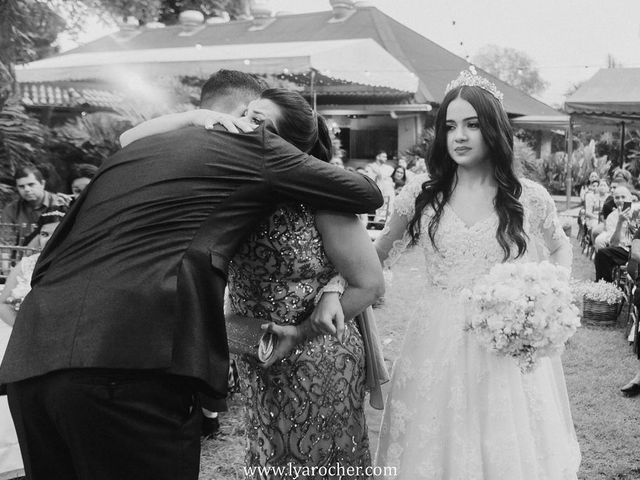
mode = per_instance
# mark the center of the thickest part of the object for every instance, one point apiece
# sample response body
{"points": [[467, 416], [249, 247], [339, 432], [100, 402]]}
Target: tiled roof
{"points": [[68, 95], [334, 90], [433, 65]]}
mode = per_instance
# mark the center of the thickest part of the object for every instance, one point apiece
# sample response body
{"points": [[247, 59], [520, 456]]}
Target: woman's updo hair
{"points": [[53, 214], [299, 124]]}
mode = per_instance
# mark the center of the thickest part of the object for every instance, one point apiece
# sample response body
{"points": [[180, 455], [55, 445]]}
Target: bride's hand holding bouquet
{"points": [[522, 310]]}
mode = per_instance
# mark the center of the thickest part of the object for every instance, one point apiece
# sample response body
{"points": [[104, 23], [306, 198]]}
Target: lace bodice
{"points": [[464, 252]]}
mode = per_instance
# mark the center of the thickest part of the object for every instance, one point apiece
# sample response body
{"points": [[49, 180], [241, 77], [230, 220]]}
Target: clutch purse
{"points": [[245, 337]]}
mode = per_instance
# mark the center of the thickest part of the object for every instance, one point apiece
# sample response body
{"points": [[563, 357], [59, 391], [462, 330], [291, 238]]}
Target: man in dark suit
{"points": [[124, 325]]}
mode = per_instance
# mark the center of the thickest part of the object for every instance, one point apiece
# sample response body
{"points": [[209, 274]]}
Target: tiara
{"points": [[470, 78], [53, 213]]}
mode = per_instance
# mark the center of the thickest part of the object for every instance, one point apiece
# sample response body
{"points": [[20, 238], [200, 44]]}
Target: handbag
{"points": [[246, 337]]}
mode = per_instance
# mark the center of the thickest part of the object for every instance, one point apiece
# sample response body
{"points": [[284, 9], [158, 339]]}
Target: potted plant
{"points": [[601, 302]]}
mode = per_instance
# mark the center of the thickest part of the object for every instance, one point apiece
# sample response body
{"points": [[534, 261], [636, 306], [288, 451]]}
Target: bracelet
{"points": [[336, 285]]}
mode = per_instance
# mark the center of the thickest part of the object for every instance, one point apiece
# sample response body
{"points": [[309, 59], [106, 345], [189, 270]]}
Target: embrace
{"points": [[123, 333]]}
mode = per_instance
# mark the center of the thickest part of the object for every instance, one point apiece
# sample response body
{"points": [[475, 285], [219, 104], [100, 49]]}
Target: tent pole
{"points": [[314, 98], [569, 156], [622, 135]]}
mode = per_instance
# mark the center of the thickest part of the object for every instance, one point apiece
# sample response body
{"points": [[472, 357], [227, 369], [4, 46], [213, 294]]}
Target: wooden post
{"points": [[622, 135], [568, 166]]}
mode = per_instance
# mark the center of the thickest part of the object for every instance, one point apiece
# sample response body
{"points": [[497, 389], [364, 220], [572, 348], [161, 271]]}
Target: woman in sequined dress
{"points": [[306, 410]]}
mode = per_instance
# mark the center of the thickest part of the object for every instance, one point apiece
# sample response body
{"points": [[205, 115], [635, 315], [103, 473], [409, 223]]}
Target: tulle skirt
{"points": [[10, 459], [458, 412]]}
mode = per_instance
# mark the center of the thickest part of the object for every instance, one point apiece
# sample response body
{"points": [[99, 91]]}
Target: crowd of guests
{"points": [[609, 228], [390, 176]]}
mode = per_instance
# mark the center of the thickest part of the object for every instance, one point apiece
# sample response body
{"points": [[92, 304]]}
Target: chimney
{"points": [[262, 14], [191, 21], [191, 18], [342, 9]]}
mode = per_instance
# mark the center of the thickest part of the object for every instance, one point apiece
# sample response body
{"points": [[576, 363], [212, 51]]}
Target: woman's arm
{"points": [[349, 248], [174, 121], [7, 313], [553, 236]]}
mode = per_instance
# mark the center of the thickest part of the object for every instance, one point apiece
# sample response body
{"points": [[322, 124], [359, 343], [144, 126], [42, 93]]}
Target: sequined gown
{"points": [[456, 411], [306, 410]]}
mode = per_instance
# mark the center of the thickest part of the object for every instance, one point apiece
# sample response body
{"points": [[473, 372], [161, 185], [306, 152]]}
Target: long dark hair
{"points": [[403, 180], [299, 124], [498, 136]]}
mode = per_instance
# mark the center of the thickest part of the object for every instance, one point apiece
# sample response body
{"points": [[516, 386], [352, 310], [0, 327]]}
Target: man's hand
{"points": [[209, 118], [328, 317]]}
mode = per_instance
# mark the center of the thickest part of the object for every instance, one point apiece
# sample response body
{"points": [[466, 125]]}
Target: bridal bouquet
{"points": [[522, 310]]}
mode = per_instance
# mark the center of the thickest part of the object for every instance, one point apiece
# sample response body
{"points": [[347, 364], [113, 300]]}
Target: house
{"points": [[376, 81]]}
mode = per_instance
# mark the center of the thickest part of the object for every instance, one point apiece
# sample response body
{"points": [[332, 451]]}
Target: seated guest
{"points": [[586, 187], [612, 245], [622, 198], [593, 201], [399, 177], [81, 175], [33, 198], [632, 388], [621, 178]]}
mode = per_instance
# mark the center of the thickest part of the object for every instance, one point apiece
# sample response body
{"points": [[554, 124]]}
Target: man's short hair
{"points": [[25, 171], [227, 82]]}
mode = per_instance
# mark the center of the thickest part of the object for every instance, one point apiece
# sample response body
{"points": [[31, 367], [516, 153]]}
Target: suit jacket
{"points": [[134, 276]]}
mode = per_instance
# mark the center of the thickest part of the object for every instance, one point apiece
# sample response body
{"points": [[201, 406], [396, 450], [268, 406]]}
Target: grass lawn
{"points": [[597, 362]]}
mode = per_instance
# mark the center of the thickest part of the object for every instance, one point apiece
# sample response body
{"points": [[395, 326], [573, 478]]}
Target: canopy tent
{"points": [[360, 61], [542, 121], [612, 95]]}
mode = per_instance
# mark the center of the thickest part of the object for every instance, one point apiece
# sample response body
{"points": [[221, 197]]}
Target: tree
{"points": [[27, 30], [165, 11], [511, 66]]}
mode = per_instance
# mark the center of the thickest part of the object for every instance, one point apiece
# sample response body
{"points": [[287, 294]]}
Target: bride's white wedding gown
{"points": [[456, 411]]}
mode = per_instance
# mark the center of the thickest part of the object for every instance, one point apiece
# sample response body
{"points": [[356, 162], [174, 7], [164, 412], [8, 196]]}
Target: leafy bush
{"points": [[22, 139], [584, 161]]}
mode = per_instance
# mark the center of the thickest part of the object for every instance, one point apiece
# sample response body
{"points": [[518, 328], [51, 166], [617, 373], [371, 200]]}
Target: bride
{"points": [[455, 411]]}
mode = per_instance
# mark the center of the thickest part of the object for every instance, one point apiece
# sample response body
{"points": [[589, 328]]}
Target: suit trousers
{"points": [[107, 424], [607, 259]]}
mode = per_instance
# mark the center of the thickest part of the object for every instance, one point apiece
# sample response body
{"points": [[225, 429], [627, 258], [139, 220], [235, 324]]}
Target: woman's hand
{"points": [[289, 336], [209, 118], [328, 317]]}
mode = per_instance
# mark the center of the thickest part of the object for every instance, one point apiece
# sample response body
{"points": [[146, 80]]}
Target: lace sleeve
{"points": [[544, 220], [394, 238], [404, 203]]}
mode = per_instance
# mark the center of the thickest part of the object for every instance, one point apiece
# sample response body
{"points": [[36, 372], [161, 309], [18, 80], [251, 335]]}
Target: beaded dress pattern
{"points": [[307, 409]]}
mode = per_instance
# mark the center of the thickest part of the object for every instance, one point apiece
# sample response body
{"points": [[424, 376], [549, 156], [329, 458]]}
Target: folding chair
{"points": [[15, 233]]}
